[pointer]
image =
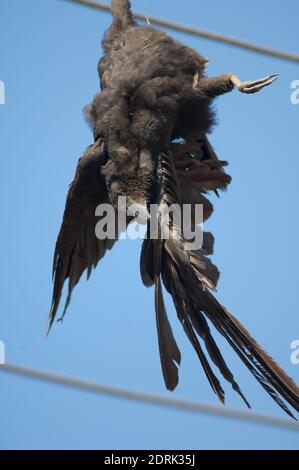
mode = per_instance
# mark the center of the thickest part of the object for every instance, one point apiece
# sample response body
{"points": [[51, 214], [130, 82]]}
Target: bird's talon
{"points": [[254, 86]]}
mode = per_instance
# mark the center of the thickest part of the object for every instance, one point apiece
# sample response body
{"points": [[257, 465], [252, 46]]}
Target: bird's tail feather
{"points": [[186, 276], [122, 14], [169, 351], [268, 373]]}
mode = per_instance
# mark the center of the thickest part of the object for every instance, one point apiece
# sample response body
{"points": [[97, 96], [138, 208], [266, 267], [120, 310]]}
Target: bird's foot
{"points": [[254, 86]]}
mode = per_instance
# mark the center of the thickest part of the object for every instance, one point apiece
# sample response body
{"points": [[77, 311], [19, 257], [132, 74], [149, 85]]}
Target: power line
{"points": [[199, 33], [150, 399]]}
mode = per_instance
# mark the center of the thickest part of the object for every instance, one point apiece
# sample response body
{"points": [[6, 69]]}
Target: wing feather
{"points": [[77, 248]]}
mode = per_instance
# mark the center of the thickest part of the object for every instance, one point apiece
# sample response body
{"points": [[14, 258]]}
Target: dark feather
{"points": [[77, 248], [169, 352], [187, 279]]}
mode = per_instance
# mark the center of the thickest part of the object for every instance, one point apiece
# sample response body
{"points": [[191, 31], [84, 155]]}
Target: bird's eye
{"points": [[130, 116]]}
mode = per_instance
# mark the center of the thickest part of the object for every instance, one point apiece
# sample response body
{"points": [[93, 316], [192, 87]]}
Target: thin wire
{"points": [[150, 399], [199, 32]]}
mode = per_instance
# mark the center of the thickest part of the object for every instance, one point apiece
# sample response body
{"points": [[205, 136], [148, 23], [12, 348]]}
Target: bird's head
{"points": [[130, 181]]}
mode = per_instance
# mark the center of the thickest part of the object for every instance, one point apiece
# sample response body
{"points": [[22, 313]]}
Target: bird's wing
{"points": [[197, 163], [189, 279], [77, 247]]}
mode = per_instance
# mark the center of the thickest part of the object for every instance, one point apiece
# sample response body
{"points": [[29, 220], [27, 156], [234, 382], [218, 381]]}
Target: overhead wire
{"points": [[217, 37], [149, 398]]}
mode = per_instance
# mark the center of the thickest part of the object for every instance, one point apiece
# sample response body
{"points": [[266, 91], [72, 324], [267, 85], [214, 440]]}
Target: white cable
{"points": [[151, 399], [199, 32]]}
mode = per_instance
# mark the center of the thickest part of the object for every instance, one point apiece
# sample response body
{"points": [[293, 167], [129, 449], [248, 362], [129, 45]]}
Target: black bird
{"points": [[153, 90], [150, 123]]}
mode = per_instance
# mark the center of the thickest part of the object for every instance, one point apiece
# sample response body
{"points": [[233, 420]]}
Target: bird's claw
{"points": [[254, 86]]}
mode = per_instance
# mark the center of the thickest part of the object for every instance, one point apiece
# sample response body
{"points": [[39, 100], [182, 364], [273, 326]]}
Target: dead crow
{"points": [[150, 123]]}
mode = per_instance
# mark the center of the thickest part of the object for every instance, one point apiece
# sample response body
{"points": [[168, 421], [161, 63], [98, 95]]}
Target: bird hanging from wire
{"points": [[150, 123]]}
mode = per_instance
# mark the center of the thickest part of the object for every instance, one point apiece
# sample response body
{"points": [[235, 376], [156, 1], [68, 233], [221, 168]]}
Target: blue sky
{"points": [[48, 55]]}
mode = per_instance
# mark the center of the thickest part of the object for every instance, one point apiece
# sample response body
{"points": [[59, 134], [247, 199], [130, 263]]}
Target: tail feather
{"points": [[169, 351], [203, 330], [193, 319], [262, 366], [147, 263], [178, 295], [253, 366], [189, 279], [265, 369]]}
